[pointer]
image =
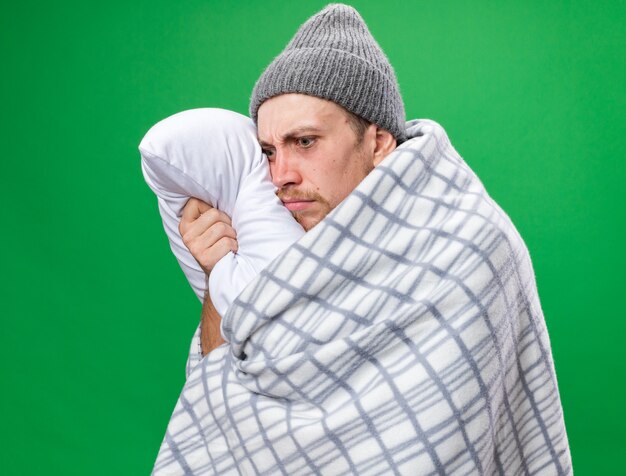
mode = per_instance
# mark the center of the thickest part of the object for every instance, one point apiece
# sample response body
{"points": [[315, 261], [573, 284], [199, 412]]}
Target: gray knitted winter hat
{"points": [[334, 56]]}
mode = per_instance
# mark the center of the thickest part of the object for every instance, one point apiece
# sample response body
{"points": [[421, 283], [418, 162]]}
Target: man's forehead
{"points": [[291, 114], [294, 131]]}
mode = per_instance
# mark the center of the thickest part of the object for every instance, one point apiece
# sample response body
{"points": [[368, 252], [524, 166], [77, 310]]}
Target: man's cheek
{"points": [[273, 177]]}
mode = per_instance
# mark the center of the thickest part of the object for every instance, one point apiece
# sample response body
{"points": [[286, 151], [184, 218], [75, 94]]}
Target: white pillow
{"points": [[213, 154]]}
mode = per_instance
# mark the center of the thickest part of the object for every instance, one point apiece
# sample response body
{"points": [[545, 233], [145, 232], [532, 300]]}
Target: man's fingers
{"points": [[193, 209], [226, 244], [210, 256], [207, 233], [212, 219], [201, 246], [216, 231], [196, 209], [212, 215]]}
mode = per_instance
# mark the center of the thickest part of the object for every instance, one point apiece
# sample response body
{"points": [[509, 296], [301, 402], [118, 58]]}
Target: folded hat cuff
{"points": [[338, 76]]}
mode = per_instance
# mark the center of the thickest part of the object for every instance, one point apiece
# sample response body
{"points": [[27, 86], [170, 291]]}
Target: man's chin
{"points": [[306, 221], [312, 214]]}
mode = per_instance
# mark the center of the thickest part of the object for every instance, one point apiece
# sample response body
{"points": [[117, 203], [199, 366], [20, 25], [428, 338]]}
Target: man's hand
{"points": [[209, 236], [207, 233]]}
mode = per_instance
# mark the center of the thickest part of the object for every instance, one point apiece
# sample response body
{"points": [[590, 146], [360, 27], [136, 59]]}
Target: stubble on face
{"points": [[318, 177], [308, 219]]}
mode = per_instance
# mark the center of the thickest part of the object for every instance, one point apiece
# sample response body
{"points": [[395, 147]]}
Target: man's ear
{"points": [[385, 143]]}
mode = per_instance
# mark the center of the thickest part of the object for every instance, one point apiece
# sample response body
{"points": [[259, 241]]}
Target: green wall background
{"points": [[96, 314]]}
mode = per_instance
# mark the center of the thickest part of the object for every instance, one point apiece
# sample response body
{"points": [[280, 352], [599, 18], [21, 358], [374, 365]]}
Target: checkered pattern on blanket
{"points": [[402, 335]]}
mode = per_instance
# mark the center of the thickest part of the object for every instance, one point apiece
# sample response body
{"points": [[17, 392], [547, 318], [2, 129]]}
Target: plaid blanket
{"points": [[401, 335]]}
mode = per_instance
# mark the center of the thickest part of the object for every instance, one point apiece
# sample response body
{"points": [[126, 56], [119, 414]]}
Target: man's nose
{"points": [[284, 171]]}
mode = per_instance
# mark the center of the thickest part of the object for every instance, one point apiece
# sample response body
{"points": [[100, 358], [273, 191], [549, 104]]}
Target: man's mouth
{"points": [[297, 204]]}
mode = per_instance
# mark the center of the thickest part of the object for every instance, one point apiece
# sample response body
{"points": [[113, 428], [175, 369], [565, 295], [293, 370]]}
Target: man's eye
{"points": [[268, 152], [305, 142]]}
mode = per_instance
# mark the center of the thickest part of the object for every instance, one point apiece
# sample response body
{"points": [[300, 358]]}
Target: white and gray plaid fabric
{"points": [[401, 335]]}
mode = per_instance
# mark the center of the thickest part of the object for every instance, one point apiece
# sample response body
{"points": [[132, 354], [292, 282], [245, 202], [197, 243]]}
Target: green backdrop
{"points": [[96, 314]]}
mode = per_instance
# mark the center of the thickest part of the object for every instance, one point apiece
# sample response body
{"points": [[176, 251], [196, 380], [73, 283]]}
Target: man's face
{"points": [[314, 156]]}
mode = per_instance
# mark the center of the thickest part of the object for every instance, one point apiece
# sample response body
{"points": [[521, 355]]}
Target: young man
{"points": [[328, 110], [403, 333], [318, 152]]}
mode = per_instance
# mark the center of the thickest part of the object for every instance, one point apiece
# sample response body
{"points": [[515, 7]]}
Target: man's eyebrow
{"points": [[306, 129], [263, 143]]}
